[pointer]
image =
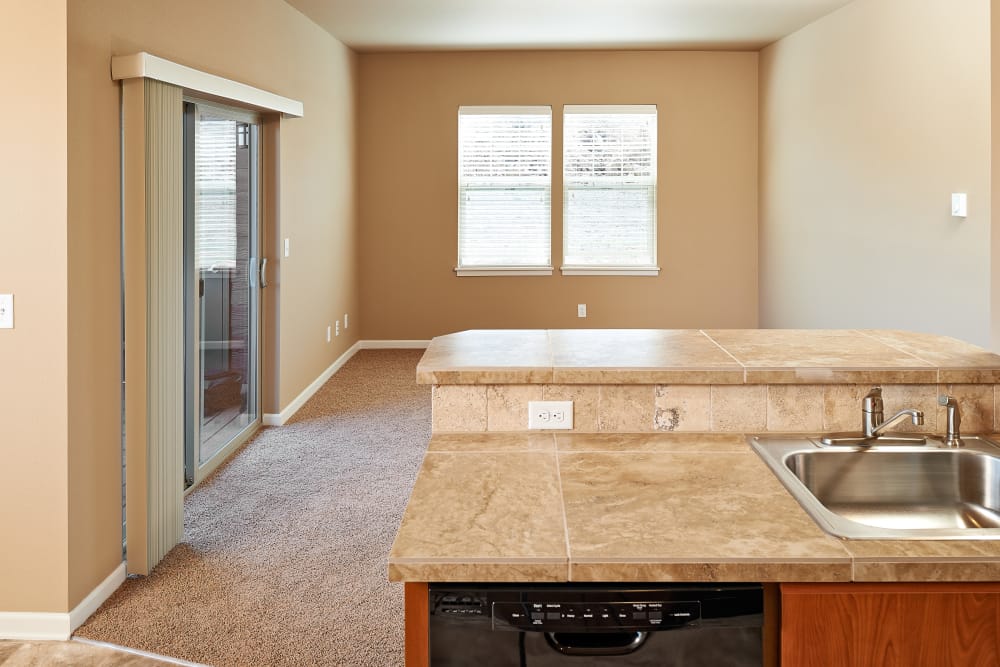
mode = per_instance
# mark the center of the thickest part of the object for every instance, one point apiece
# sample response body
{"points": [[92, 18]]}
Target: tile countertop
{"points": [[652, 507], [691, 356]]}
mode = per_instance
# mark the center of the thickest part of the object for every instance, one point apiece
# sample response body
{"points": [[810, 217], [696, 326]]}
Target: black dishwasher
{"points": [[596, 625]]}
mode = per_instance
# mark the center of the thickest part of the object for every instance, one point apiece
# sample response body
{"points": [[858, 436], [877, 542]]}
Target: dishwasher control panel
{"points": [[580, 617]]}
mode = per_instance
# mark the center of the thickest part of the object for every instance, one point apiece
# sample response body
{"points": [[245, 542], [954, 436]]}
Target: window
{"points": [[609, 190], [504, 190]]}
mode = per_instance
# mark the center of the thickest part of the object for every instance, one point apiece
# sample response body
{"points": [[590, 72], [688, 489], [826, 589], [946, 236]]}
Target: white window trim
{"points": [[503, 270], [610, 270]]}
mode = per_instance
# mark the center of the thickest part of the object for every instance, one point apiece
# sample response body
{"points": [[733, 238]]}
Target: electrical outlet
{"points": [[6, 311], [328, 334], [550, 414], [581, 310], [336, 328]]}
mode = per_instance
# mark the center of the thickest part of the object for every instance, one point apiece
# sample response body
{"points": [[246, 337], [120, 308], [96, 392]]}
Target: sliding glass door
{"points": [[221, 284]]}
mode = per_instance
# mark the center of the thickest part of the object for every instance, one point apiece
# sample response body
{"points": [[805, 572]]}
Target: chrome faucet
{"points": [[873, 421], [952, 437]]}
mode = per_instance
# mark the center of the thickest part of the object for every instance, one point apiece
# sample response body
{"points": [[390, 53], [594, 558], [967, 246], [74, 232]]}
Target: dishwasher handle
{"points": [[596, 643]]}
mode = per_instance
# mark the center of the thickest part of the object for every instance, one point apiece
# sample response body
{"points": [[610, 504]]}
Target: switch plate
{"points": [[959, 205], [581, 310], [328, 334], [336, 328], [550, 414], [345, 320], [288, 249], [6, 311]]}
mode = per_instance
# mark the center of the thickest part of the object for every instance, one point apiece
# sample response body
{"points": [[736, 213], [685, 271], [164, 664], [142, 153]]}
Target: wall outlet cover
{"points": [[550, 415], [6, 311]]}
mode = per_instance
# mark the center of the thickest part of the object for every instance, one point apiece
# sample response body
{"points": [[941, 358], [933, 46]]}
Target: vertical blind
{"points": [[609, 186], [504, 187], [164, 319]]}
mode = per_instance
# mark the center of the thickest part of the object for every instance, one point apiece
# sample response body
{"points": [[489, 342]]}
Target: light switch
{"points": [[288, 248], [6, 311], [959, 205]]}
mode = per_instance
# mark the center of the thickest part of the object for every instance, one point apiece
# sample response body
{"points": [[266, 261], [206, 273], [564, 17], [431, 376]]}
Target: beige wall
{"points": [[61, 494], [870, 119], [33, 356], [707, 249]]}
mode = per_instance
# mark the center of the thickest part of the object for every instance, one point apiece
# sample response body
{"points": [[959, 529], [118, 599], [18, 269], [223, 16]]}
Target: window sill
{"points": [[610, 270], [503, 271]]}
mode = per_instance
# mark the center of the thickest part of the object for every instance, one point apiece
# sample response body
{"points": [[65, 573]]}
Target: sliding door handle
{"points": [[263, 273]]}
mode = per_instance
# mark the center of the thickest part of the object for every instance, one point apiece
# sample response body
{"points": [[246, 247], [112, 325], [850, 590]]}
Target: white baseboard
{"points": [[30, 625], [271, 419]]}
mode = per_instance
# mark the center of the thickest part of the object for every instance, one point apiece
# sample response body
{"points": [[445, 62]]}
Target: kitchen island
{"points": [[656, 481]]}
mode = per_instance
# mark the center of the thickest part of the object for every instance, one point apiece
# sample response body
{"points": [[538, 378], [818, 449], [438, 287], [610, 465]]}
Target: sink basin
{"points": [[892, 491]]}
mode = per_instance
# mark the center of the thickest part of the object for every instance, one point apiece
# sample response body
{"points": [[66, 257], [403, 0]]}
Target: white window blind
{"points": [[215, 192], [504, 189], [609, 189]]}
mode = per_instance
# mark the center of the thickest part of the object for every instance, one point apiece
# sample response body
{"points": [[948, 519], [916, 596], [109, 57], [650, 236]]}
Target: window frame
{"points": [[503, 269], [651, 269]]}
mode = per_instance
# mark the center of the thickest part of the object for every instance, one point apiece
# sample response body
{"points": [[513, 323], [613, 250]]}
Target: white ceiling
{"points": [[402, 25]]}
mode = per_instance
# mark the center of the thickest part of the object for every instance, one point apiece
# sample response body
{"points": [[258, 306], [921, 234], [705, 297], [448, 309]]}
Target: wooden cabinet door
{"points": [[887, 625]]}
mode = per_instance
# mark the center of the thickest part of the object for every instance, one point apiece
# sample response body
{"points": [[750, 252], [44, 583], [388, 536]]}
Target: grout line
{"points": [[562, 505], [898, 349], [731, 355]]}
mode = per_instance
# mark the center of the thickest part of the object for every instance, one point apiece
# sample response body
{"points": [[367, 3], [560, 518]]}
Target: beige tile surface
{"points": [[651, 442], [968, 376], [943, 570], [72, 653], [842, 406], [467, 570], [682, 508], [637, 348], [507, 406], [794, 407], [806, 375], [626, 408], [486, 376], [814, 571], [682, 407], [930, 560], [976, 406], [586, 399], [483, 355], [937, 350], [811, 348], [739, 408], [636, 376], [638, 507], [483, 507], [921, 397], [491, 442], [458, 408], [747, 356]]}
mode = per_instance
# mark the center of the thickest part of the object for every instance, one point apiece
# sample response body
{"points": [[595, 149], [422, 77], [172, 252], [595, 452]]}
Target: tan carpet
{"points": [[285, 547]]}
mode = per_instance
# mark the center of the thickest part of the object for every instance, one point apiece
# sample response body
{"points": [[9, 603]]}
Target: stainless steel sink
{"points": [[886, 491]]}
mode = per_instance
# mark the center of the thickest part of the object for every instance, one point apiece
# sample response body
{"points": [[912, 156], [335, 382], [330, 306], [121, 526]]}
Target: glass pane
{"points": [[224, 227]]}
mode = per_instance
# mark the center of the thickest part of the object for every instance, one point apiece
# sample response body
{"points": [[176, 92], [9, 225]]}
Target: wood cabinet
{"points": [[885, 625], [417, 622]]}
